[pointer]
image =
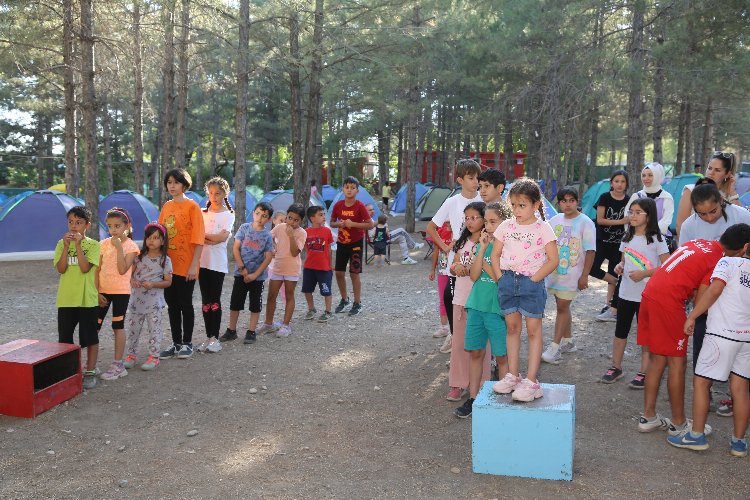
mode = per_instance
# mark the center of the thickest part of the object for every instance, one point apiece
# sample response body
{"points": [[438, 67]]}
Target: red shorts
{"points": [[660, 327]]}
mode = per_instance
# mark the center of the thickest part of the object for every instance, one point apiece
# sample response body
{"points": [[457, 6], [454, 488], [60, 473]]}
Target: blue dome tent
{"points": [[250, 203], [280, 199], [328, 193], [140, 208], [675, 187], [362, 195], [399, 202], [549, 209], [195, 197], [591, 196]]}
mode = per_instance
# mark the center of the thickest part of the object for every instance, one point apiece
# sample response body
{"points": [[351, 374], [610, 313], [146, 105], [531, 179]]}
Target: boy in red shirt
{"points": [[317, 267], [351, 217]]}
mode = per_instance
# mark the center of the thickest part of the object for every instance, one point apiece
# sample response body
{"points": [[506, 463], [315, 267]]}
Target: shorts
{"points": [[83, 317], [240, 290], [379, 248], [349, 253], [660, 327], [442, 280], [278, 277], [721, 356], [312, 277], [517, 293], [563, 294], [119, 304], [482, 326]]}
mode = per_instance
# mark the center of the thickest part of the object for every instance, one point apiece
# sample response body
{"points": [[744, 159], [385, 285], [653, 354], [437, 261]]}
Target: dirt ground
{"points": [[352, 409]]}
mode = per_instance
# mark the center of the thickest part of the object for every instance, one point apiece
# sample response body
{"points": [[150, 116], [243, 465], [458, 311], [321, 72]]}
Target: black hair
{"points": [[567, 191], [530, 189], [151, 228], [728, 160], [622, 173], [313, 182], [382, 218], [735, 237], [313, 210], [297, 208], [467, 167], [493, 176], [652, 221], [705, 180], [265, 206], [123, 215], [180, 175], [708, 191], [351, 180], [81, 212], [477, 206], [222, 184]]}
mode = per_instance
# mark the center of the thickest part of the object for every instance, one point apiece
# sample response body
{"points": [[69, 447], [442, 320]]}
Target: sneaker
{"points": [[442, 331], [603, 309], [612, 376], [229, 335], [638, 382], [151, 363], [214, 346], [527, 391], [343, 304], [686, 440], [464, 410], [115, 371], [185, 352], [89, 379], [311, 314], [607, 315], [726, 409], [655, 423], [250, 337], [130, 361], [455, 394], [408, 261], [507, 385], [356, 308], [418, 246], [738, 447], [171, 352], [569, 346], [678, 430], [446, 347], [325, 317], [552, 355], [266, 328], [284, 331], [203, 346]]}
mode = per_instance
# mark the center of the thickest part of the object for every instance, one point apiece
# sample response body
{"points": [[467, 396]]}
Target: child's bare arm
{"points": [[553, 259]]}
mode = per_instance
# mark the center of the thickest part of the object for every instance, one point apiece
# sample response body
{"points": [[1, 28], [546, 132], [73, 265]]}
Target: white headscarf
{"points": [[658, 170]]}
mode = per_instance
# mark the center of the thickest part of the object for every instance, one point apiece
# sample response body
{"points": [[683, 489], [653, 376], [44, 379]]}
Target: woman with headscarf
{"points": [[652, 176]]}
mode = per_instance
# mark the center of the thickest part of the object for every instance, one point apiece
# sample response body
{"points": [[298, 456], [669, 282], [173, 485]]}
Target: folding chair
{"points": [[370, 246], [430, 244]]}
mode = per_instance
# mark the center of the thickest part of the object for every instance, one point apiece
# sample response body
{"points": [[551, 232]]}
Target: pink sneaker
{"points": [[527, 391], [507, 385], [442, 331], [455, 394], [115, 371]]}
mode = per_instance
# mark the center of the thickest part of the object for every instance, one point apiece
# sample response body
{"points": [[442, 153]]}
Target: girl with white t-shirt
{"points": [[218, 220]]}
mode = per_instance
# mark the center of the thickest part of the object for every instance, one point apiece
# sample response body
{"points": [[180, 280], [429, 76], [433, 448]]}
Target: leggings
{"points": [[179, 297], [135, 326], [626, 309], [448, 300], [609, 252], [211, 283], [698, 333]]}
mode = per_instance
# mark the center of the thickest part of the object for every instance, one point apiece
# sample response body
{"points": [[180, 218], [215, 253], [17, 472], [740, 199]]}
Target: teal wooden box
{"points": [[535, 439]]}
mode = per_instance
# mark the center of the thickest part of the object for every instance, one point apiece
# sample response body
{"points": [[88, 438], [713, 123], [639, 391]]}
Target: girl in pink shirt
{"points": [[525, 252]]}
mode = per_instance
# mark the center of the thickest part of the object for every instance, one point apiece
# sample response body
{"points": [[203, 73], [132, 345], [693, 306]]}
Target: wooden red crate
{"points": [[36, 376]]}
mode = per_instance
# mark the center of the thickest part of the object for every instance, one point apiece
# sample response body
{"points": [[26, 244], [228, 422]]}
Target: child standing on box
{"points": [[184, 222], [289, 240], [253, 251], [576, 244], [380, 239], [644, 250], [318, 265], [484, 318], [524, 253], [440, 268], [152, 273], [76, 257], [218, 220], [113, 278]]}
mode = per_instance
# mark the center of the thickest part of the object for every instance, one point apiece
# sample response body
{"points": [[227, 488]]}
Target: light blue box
{"points": [[534, 439]]}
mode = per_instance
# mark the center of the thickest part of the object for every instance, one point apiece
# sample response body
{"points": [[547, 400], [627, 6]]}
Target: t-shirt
{"points": [[445, 234], [355, 213], [380, 237], [78, 289], [214, 257], [695, 227], [729, 316], [613, 210], [144, 301], [184, 224], [386, 192], [253, 247], [284, 264], [523, 245], [464, 283], [452, 210], [483, 295], [682, 273], [110, 279], [318, 245], [664, 207], [574, 238], [639, 255]]}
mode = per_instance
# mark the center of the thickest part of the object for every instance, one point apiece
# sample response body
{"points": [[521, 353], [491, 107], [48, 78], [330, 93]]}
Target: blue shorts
{"points": [[482, 326], [312, 277], [517, 293]]}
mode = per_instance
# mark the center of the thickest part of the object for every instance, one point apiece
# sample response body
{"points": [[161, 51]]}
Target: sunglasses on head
{"points": [[720, 154]]}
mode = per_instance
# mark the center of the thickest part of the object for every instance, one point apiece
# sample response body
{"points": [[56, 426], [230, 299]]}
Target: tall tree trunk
{"points": [[295, 85], [637, 57], [382, 157], [168, 89], [182, 85], [413, 124], [659, 96], [590, 173], [680, 140], [71, 120], [509, 159], [39, 147], [215, 137], [51, 160], [199, 168], [708, 125], [268, 168], [313, 107], [400, 167], [240, 112], [107, 143], [89, 107], [137, 98], [344, 143], [153, 171], [689, 163]]}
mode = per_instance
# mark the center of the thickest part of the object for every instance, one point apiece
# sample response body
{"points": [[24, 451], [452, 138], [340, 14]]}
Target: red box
{"points": [[36, 376]]}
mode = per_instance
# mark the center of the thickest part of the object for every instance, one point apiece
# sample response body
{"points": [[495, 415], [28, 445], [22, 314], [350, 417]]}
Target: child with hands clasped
{"points": [[113, 281], [318, 268], [524, 253], [152, 273]]}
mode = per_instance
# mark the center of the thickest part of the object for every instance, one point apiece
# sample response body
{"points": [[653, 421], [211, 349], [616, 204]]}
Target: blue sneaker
{"points": [[739, 447], [687, 441]]}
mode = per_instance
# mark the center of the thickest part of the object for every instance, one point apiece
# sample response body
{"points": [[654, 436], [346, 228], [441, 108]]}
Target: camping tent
{"points": [[549, 209], [745, 199], [362, 195], [280, 199], [675, 188], [743, 182], [255, 191], [399, 202], [430, 203], [2, 199], [195, 197], [328, 193], [250, 203], [36, 222], [14, 199], [140, 208], [591, 196]]}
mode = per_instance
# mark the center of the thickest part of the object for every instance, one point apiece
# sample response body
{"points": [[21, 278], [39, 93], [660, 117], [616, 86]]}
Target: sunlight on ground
{"points": [[249, 453], [347, 360]]}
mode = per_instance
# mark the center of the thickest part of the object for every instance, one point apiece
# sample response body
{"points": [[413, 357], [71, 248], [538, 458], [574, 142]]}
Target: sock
{"points": [[736, 439], [566, 340], [695, 435]]}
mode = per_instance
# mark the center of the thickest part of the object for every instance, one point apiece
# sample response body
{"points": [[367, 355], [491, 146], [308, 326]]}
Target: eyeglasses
{"points": [[472, 218], [636, 213], [720, 154]]}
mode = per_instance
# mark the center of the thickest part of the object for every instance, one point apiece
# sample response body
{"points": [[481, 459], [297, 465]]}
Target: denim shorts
{"points": [[517, 293]]}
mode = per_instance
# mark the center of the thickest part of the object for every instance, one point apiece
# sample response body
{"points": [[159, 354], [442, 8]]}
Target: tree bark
{"points": [[39, 147], [344, 142], [268, 168], [51, 161], [680, 140], [659, 96], [296, 105], [168, 89], [708, 126], [182, 86], [414, 113], [240, 113], [137, 98], [153, 171], [509, 159], [107, 143], [199, 168], [89, 106], [689, 163], [399, 168], [637, 57], [71, 134], [382, 157], [215, 137], [313, 107]]}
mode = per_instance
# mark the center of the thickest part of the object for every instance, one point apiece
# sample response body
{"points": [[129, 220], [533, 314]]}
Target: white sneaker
{"points": [[214, 346], [507, 385], [203, 346], [266, 328], [656, 423], [446, 347], [408, 261], [442, 331], [284, 331], [675, 430], [607, 315], [568, 346], [418, 246], [552, 355]]}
